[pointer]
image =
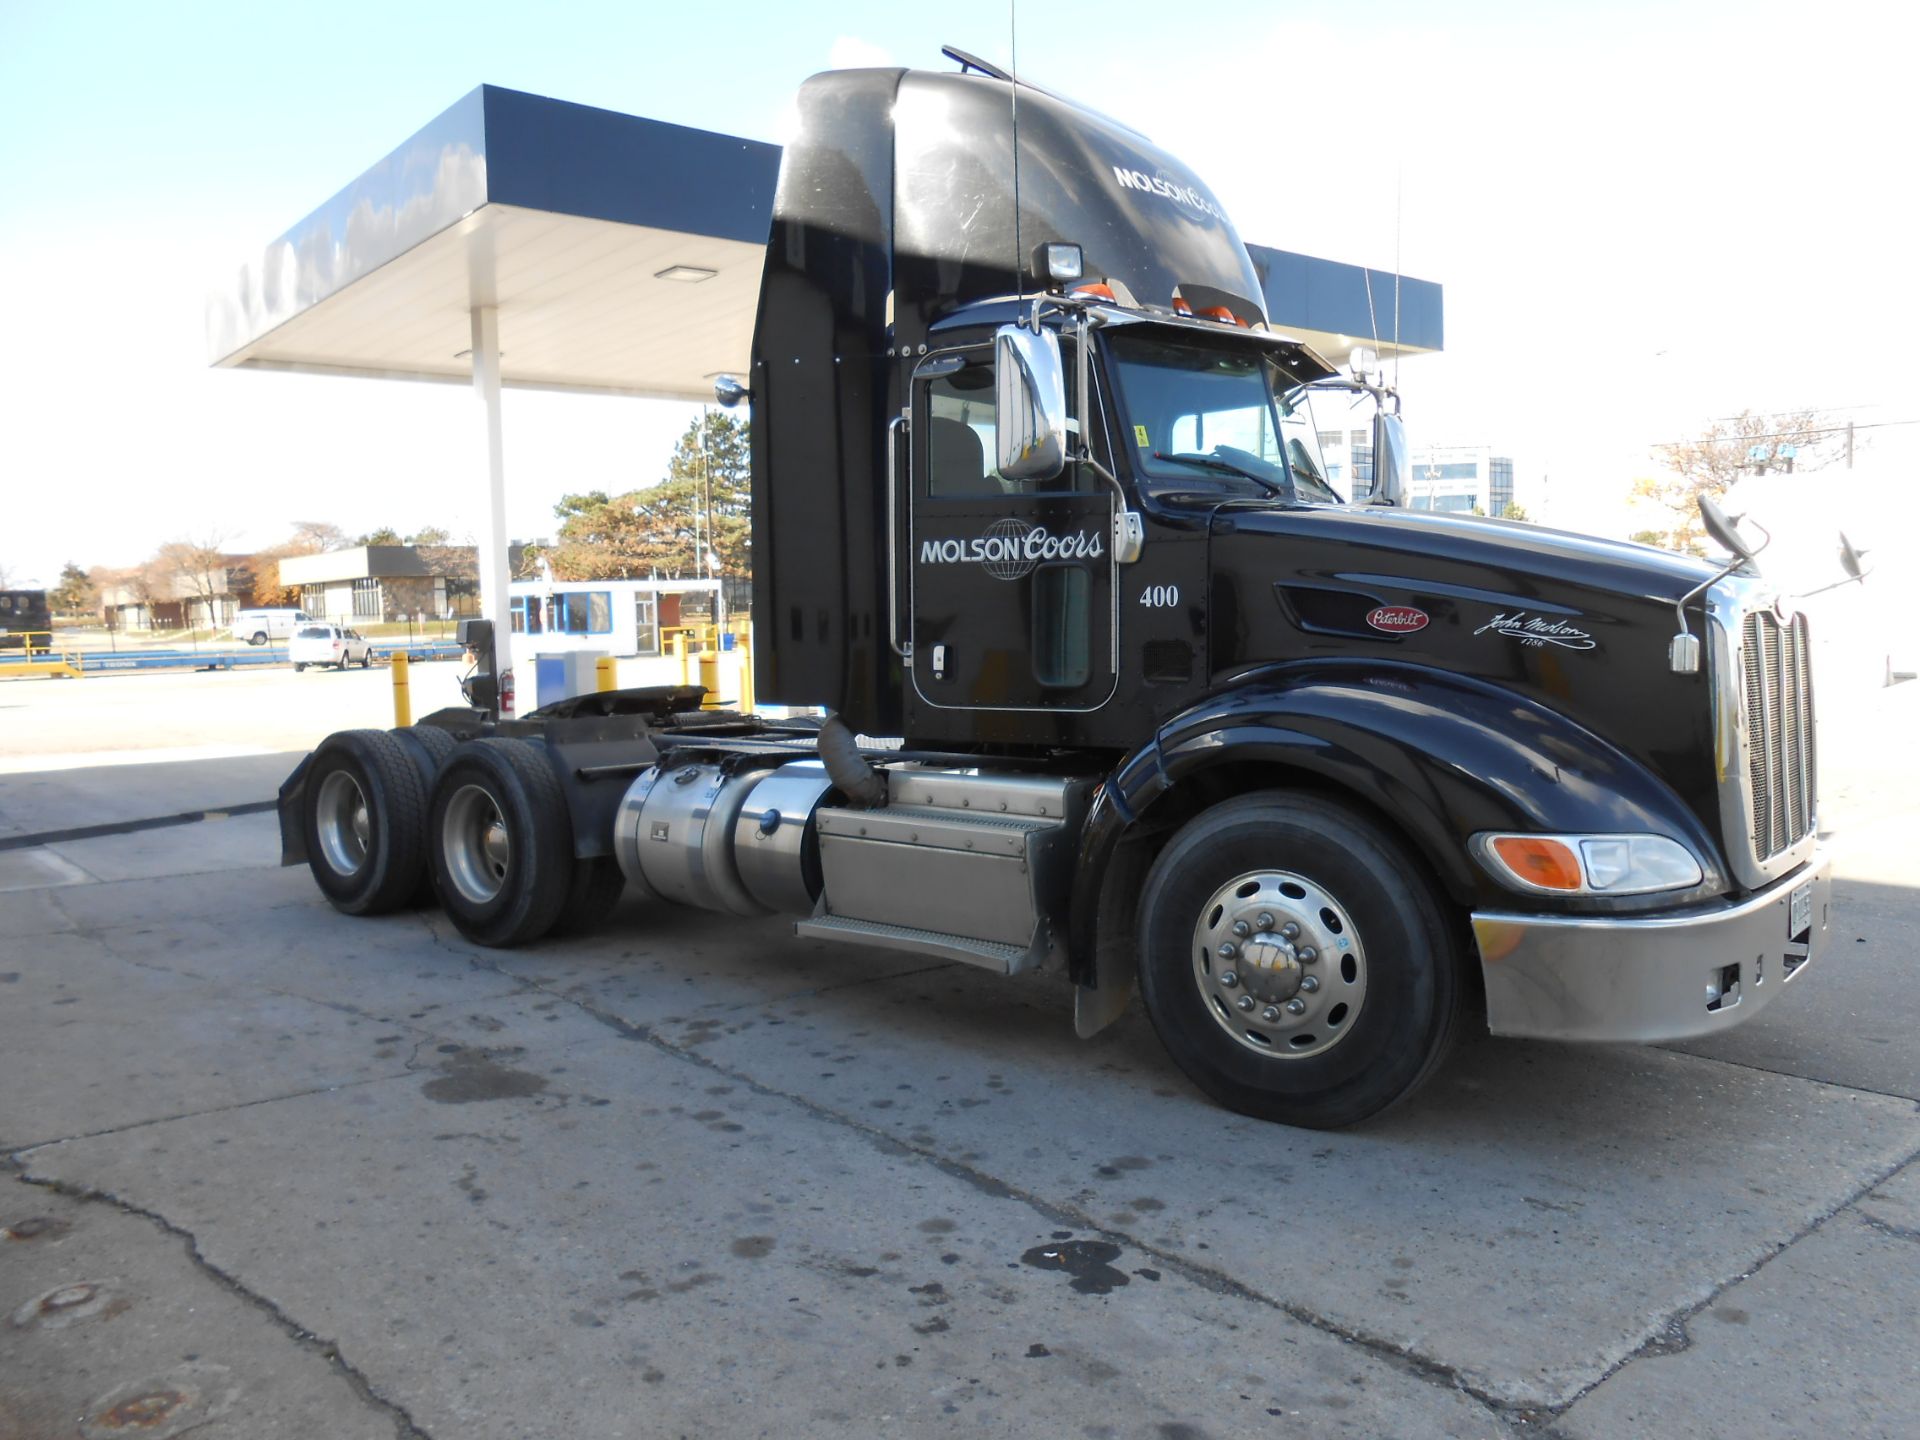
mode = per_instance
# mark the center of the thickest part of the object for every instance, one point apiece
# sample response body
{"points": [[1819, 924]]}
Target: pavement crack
{"points": [[405, 1427], [1887, 1227], [1791, 1075], [1662, 1340], [27, 1147]]}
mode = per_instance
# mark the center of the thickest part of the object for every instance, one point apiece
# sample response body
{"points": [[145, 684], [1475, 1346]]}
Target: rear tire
{"points": [[438, 746], [365, 817], [501, 842], [1297, 962], [298, 666]]}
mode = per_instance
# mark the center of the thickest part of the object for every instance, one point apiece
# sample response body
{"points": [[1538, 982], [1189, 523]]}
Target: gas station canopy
{"points": [[622, 255]]}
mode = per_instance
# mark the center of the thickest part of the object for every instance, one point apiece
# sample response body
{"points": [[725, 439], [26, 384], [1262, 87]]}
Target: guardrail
{"points": [[47, 660]]}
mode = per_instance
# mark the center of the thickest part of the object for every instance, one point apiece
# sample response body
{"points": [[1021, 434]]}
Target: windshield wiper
{"points": [[1224, 467]]}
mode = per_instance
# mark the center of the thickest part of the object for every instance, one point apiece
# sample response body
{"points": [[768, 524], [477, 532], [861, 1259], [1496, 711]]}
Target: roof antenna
{"points": [[1399, 176], [1013, 95]]}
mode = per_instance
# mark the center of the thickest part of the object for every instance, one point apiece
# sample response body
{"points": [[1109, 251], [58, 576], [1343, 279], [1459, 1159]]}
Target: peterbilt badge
{"points": [[1397, 619]]}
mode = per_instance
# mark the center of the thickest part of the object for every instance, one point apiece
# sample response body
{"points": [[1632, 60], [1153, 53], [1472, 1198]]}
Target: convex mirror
{"points": [[1724, 529], [1030, 404], [1391, 461]]}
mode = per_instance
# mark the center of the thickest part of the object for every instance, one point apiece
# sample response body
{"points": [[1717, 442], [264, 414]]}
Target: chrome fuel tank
{"points": [[741, 842]]}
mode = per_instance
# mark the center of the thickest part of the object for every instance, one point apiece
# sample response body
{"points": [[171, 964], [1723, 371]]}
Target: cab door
{"points": [[1010, 583]]}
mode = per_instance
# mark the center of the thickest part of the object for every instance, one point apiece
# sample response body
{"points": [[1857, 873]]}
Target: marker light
{"points": [[1181, 307], [1097, 289], [1588, 864]]}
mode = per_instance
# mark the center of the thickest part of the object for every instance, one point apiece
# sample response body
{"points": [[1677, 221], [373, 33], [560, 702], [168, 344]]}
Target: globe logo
{"points": [[1003, 549]]}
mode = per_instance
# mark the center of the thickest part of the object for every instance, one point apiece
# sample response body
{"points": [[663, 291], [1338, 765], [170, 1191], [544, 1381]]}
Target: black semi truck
{"points": [[1037, 498]]}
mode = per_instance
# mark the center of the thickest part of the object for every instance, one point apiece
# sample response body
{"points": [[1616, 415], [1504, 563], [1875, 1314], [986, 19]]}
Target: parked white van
{"points": [[257, 627]]}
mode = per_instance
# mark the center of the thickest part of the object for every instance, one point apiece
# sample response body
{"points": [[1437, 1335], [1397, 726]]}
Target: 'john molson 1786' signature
{"points": [[1535, 630]]}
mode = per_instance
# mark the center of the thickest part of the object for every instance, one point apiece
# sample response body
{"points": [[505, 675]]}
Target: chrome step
{"points": [[1003, 959]]}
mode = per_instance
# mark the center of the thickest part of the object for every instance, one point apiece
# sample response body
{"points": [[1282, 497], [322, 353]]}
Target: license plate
{"points": [[1800, 911]]}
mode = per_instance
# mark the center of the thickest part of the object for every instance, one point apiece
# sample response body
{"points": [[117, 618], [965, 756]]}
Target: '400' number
{"points": [[1160, 597]]}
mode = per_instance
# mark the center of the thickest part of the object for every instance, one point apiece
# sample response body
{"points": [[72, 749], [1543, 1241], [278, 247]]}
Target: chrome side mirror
{"points": [[1030, 404], [729, 392], [1392, 463]]}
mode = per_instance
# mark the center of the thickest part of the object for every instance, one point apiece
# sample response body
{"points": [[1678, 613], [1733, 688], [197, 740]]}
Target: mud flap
{"points": [[1098, 1005], [293, 800]]}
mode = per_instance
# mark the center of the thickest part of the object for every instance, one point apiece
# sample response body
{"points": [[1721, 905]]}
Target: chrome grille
{"points": [[1777, 719]]}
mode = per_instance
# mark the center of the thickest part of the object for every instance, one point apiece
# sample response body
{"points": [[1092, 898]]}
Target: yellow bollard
{"points": [[402, 701], [710, 679], [680, 654], [603, 677], [743, 648]]}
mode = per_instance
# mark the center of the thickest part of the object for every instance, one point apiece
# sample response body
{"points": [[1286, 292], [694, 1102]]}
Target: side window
{"points": [[959, 447], [960, 421]]}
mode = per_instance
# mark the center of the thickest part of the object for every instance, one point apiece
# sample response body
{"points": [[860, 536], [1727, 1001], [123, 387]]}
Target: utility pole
{"points": [[1849, 444]]}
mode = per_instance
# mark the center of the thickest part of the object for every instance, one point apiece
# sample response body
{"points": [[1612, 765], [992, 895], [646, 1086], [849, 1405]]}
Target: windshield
{"points": [[1213, 420]]}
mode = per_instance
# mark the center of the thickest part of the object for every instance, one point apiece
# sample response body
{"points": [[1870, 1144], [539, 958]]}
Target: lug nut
{"points": [[1245, 1002], [1270, 1014], [1291, 930], [1264, 920], [1227, 950], [1242, 929], [1229, 978], [1296, 1006], [1306, 954], [1309, 983]]}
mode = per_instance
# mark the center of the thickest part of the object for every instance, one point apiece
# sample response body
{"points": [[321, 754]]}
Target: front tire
{"points": [[366, 822], [298, 666], [1297, 962], [501, 841]]}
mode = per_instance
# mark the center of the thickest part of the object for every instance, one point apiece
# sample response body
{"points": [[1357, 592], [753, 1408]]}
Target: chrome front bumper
{"points": [[1651, 977]]}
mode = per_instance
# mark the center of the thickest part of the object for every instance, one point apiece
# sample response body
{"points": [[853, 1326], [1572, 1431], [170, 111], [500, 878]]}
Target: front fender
{"points": [[1440, 756]]}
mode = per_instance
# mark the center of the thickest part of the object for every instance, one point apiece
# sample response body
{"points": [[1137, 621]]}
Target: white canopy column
{"points": [[484, 326]]}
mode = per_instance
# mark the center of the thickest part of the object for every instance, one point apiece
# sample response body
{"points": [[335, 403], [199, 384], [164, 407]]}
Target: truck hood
{"points": [[1506, 549]]}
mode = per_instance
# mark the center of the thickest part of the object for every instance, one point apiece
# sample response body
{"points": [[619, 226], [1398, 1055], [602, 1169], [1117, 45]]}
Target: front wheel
{"points": [[259, 637], [298, 666], [1296, 961]]}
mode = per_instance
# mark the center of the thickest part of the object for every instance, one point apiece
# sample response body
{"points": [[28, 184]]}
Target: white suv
{"points": [[328, 645]]}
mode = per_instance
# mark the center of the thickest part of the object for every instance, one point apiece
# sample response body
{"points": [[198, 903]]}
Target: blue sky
{"points": [[1643, 215]]}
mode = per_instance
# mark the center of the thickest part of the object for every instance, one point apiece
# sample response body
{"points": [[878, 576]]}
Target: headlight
{"points": [[1588, 864]]}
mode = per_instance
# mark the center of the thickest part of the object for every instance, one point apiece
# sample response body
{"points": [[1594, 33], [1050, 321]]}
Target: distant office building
{"points": [[1348, 455], [1460, 478]]}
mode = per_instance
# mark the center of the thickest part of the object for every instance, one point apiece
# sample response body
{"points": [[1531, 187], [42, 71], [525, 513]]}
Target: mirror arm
{"points": [[1683, 651]]}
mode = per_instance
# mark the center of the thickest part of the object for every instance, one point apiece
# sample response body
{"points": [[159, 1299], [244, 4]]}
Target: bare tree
{"points": [[201, 570], [311, 537], [1710, 463]]}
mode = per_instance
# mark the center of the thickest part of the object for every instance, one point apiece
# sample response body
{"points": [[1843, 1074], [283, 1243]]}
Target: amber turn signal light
{"points": [[1540, 860]]}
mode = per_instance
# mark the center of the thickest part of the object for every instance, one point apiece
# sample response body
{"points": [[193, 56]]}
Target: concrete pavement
{"points": [[336, 1177]]}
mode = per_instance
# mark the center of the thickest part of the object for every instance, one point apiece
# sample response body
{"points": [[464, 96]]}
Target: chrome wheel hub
{"points": [[1279, 964], [342, 824], [476, 843]]}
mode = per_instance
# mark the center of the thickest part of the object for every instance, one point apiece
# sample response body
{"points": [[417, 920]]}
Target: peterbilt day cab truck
{"points": [[1036, 495]]}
